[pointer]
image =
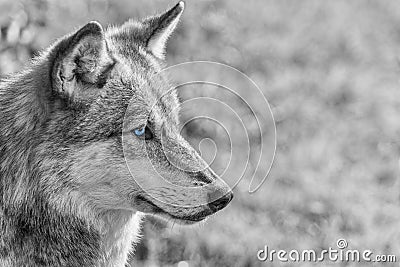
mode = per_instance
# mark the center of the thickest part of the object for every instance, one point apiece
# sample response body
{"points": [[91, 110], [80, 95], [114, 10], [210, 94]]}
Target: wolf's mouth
{"points": [[186, 219]]}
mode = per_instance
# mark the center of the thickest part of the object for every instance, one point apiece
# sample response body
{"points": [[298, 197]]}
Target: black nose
{"points": [[220, 203]]}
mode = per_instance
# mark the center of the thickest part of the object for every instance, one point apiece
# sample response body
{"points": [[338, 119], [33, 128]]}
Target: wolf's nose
{"points": [[220, 203]]}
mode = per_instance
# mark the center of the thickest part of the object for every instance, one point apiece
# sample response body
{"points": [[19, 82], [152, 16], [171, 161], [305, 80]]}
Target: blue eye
{"points": [[143, 133], [140, 131]]}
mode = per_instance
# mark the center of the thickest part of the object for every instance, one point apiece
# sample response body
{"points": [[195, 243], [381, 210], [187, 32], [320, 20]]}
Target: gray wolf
{"points": [[69, 196]]}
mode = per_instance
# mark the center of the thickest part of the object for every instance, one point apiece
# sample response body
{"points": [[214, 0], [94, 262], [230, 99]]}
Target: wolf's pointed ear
{"points": [[160, 29], [80, 60]]}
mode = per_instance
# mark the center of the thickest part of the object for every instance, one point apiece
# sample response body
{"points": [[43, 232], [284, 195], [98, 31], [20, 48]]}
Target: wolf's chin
{"points": [[169, 218], [146, 206]]}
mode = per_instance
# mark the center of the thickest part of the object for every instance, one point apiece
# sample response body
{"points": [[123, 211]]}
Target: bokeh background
{"points": [[330, 70]]}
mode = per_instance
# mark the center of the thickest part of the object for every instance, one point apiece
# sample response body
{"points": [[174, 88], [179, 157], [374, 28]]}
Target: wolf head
{"points": [[115, 125]]}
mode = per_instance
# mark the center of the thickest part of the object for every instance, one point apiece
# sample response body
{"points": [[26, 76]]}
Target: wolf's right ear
{"points": [[80, 60], [160, 28]]}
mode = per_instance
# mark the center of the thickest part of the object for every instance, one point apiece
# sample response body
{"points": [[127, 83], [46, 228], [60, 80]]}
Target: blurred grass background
{"points": [[330, 71]]}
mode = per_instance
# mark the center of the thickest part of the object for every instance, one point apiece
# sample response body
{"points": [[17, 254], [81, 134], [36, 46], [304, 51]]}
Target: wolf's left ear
{"points": [[160, 28], [80, 60]]}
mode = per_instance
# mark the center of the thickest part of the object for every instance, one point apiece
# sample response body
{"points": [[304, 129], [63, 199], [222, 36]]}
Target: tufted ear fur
{"points": [[161, 27], [80, 62], [151, 33]]}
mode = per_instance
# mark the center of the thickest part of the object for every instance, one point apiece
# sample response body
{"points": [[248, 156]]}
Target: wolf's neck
{"points": [[48, 237], [117, 231], [120, 233], [23, 110]]}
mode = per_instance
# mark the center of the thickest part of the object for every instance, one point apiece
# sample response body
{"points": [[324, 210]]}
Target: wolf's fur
{"points": [[68, 197]]}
